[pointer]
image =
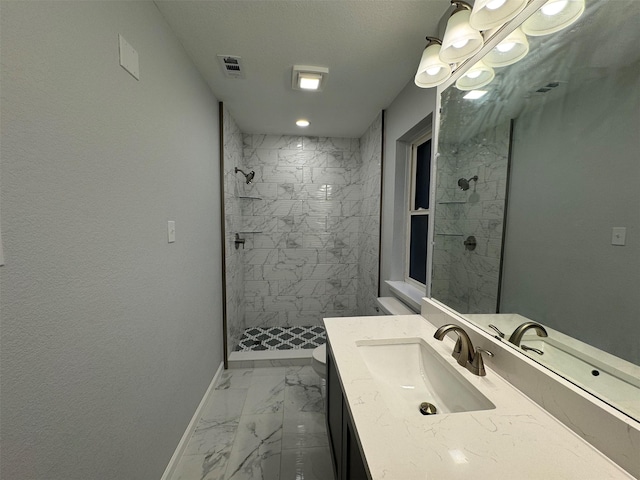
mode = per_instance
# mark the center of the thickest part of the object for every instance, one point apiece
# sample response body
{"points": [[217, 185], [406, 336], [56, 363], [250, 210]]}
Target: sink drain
{"points": [[427, 408]]}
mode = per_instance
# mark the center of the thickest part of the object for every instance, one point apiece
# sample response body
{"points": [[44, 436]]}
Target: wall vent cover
{"points": [[231, 66], [549, 86]]}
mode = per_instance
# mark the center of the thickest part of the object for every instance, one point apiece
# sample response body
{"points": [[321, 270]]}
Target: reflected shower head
{"points": [[463, 183], [248, 176]]}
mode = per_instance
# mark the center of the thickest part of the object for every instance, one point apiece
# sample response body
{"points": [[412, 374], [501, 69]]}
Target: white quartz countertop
{"points": [[517, 439]]}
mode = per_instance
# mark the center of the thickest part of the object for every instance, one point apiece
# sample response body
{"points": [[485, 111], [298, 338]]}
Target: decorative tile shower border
{"points": [[281, 338]]}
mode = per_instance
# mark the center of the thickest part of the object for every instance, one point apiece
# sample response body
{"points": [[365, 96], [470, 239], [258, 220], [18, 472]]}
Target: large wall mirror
{"points": [[538, 202]]}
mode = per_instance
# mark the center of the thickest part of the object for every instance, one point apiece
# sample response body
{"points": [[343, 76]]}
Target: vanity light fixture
{"points": [[511, 50], [475, 94], [476, 77], [305, 77], [487, 14], [302, 123], [432, 71], [553, 16], [460, 40]]}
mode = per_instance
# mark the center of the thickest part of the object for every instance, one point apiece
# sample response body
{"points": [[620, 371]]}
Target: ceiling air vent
{"points": [[548, 87], [231, 66]]}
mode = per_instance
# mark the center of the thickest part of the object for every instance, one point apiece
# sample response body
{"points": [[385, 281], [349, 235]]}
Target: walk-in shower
{"points": [[468, 226], [309, 217]]}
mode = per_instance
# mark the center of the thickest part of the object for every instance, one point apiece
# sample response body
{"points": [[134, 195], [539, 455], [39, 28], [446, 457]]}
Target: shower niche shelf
{"points": [[249, 198], [261, 232]]}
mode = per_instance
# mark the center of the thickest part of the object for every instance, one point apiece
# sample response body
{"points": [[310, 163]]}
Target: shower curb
{"points": [[270, 358]]}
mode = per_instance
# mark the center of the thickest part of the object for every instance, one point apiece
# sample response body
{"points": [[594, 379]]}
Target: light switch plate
{"points": [[129, 58], [171, 231], [619, 236]]}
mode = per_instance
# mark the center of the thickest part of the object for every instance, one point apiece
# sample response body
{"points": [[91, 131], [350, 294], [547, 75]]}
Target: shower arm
{"points": [[463, 183], [248, 176]]}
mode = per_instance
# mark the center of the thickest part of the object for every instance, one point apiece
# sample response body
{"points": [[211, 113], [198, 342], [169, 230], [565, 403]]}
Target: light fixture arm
{"points": [[433, 41], [460, 5]]}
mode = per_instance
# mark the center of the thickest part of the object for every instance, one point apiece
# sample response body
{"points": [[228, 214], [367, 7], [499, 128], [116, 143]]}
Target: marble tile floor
{"points": [[261, 423]]}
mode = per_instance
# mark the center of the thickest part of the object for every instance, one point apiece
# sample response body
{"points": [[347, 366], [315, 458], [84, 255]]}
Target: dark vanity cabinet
{"points": [[348, 461]]}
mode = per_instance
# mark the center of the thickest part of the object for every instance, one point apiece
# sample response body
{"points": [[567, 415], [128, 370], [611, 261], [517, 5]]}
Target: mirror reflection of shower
{"points": [[248, 176], [463, 183]]}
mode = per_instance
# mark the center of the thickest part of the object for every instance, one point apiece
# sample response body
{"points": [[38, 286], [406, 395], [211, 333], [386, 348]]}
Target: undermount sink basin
{"points": [[409, 371]]}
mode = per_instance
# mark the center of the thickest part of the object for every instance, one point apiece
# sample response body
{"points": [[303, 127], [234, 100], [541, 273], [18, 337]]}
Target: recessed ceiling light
{"points": [[304, 77], [302, 123], [475, 94]]}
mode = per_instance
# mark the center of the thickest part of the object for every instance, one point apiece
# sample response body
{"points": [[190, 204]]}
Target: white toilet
{"points": [[388, 305], [319, 360]]}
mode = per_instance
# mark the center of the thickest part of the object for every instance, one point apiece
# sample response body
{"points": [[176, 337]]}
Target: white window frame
{"points": [[411, 211]]}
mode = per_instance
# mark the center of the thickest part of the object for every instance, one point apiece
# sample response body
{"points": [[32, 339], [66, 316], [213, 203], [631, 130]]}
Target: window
{"points": [[419, 210]]}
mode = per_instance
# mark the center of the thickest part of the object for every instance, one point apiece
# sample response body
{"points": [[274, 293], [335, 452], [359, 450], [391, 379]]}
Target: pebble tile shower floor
{"points": [[261, 423], [281, 338]]}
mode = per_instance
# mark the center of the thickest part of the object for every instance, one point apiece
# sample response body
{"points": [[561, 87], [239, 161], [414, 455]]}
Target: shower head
{"points": [[248, 176], [463, 183]]}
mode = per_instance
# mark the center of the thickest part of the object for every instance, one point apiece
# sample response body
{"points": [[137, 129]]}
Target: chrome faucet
{"points": [[463, 351], [517, 334]]}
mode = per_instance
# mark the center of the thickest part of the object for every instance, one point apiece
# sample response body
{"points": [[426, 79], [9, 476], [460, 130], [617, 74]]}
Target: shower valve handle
{"points": [[239, 241]]}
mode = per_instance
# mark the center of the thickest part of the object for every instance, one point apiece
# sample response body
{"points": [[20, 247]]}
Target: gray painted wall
{"points": [[411, 107], [110, 335], [571, 182]]}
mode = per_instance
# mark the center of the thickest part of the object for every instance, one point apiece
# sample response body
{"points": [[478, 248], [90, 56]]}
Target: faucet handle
{"points": [[477, 365], [457, 349], [497, 330]]}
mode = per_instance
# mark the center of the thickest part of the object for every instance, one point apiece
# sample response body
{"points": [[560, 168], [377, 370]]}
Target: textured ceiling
{"points": [[371, 48]]}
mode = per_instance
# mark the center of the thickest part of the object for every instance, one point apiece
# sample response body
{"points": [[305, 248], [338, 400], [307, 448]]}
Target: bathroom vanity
{"points": [[381, 369]]}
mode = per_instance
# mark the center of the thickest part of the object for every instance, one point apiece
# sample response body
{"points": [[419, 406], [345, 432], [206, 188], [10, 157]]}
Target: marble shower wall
{"points": [[369, 176], [468, 280], [233, 222], [302, 228]]}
